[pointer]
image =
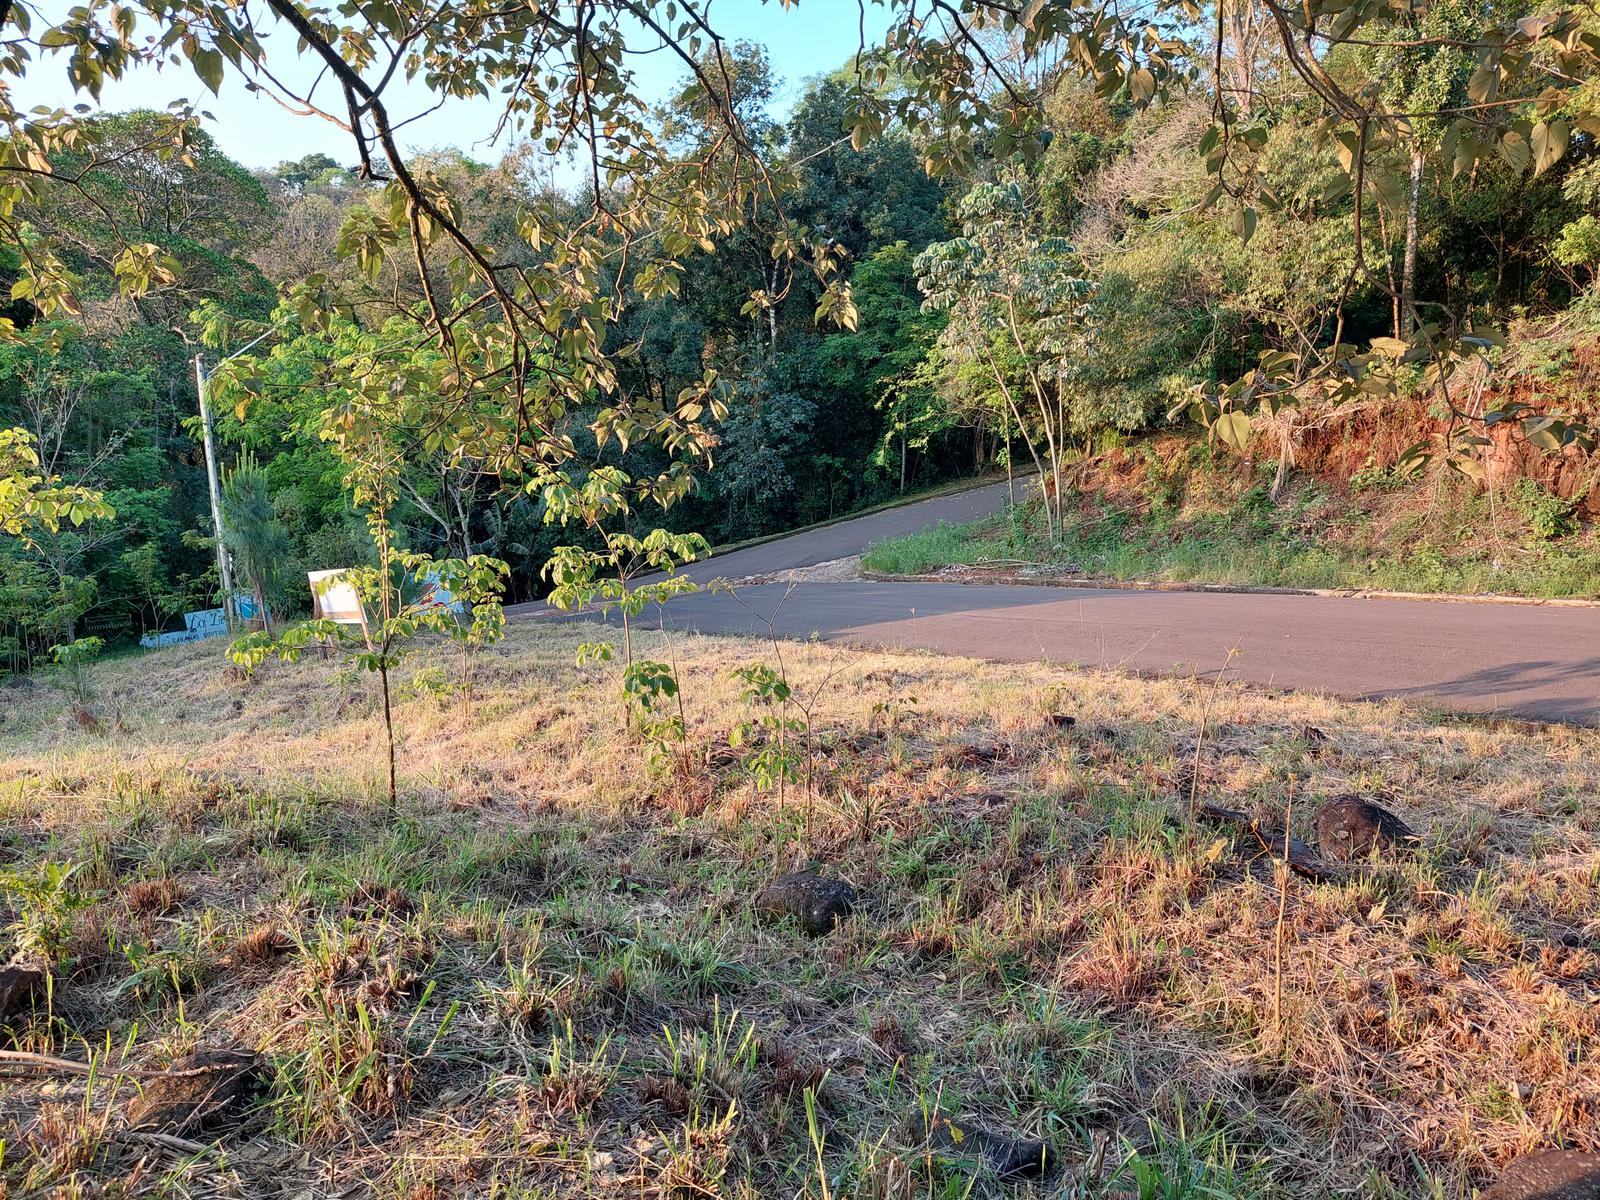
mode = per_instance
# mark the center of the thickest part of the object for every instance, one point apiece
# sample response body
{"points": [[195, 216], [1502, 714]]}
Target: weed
{"points": [[1548, 515], [44, 902]]}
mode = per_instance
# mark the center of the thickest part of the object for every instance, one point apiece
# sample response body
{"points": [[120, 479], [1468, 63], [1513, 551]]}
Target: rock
{"points": [[818, 904], [1061, 720], [1549, 1175], [198, 1092], [1349, 827], [22, 988], [1008, 1155]]}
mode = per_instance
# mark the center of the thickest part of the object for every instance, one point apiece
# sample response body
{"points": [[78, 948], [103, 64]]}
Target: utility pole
{"points": [[224, 565]]}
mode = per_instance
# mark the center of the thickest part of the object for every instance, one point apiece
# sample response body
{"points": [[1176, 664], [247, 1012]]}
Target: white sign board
{"points": [[334, 599]]}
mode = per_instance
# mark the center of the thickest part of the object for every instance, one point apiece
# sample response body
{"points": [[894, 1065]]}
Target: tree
{"points": [[1015, 301], [531, 334], [881, 363], [196, 214], [254, 535]]}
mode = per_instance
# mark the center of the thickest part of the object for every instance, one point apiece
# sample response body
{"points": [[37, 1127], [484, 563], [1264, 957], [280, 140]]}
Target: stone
{"points": [[1349, 827], [1010, 1156], [1549, 1175], [22, 988], [818, 904], [198, 1092]]}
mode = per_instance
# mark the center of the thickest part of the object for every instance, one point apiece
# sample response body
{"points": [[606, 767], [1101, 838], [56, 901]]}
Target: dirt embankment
{"points": [[1340, 444]]}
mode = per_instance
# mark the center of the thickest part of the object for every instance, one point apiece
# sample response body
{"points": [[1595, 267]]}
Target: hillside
{"points": [[545, 974], [1346, 511]]}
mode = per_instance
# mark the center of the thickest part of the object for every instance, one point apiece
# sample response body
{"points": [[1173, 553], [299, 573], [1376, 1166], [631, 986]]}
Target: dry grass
{"points": [[541, 976]]}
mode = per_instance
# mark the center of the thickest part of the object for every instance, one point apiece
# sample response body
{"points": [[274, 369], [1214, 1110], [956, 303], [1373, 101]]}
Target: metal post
{"points": [[224, 566]]}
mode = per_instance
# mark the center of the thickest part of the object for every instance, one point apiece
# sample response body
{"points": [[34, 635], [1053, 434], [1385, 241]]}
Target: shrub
{"points": [[1548, 515]]}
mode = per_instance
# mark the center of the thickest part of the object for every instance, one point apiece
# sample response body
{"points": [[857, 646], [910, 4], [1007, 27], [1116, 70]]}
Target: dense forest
{"points": [[999, 309]]}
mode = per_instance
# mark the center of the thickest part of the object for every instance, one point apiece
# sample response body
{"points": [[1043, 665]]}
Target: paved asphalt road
{"points": [[850, 537], [1541, 663]]}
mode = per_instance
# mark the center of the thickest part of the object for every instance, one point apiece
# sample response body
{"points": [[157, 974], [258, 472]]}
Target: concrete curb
{"points": [[1151, 585]]}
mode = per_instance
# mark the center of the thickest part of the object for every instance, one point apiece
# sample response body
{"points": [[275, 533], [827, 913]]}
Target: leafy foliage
{"points": [[29, 499]]}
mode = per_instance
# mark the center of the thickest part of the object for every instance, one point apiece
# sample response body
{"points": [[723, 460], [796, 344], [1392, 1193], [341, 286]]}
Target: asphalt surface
{"points": [[1533, 662], [846, 538]]}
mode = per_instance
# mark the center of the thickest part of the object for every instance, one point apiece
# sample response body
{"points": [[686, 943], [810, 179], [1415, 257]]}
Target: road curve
{"points": [[1539, 663], [845, 538]]}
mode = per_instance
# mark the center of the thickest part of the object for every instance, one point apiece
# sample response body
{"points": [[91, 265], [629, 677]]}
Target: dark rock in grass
{"points": [[199, 1092], [1316, 741], [1349, 827], [22, 988], [1008, 1155], [817, 904], [1061, 720], [1549, 1175]]}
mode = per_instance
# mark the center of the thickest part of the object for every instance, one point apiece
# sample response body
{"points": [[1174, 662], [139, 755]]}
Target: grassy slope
{"points": [[1168, 510], [557, 1000]]}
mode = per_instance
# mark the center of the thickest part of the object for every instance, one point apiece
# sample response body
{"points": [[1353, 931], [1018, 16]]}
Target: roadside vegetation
{"points": [[1326, 499], [1167, 510], [542, 971]]}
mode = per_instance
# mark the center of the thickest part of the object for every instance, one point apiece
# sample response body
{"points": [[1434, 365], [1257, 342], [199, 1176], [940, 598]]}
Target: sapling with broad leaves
{"points": [[476, 586], [73, 659], [391, 622], [771, 759], [605, 579], [398, 603]]}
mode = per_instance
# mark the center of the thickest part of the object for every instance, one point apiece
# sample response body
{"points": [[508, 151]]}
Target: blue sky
{"points": [[804, 41]]}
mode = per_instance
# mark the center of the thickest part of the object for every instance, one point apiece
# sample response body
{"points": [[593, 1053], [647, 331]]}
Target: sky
{"points": [[804, 41]]}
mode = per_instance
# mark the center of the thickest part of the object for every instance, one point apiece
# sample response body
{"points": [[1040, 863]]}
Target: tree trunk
{"points": [[1005, 442], [388, 724], [266, 617], [1408, 276], [1244, 29], [1027, 439]]}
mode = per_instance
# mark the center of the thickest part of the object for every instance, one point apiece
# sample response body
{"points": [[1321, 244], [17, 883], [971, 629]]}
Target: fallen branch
{"points": [[170, 1141], [47, 1062]]}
